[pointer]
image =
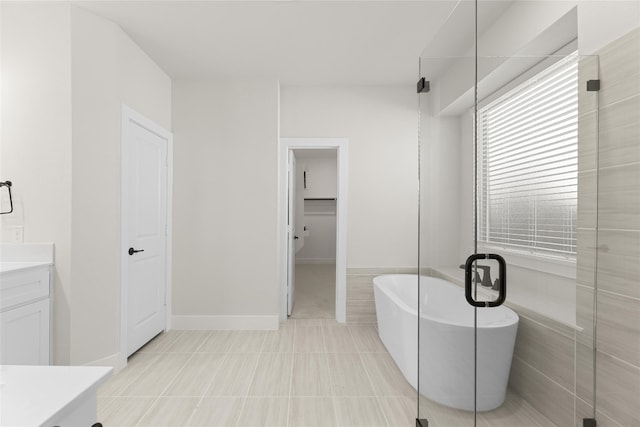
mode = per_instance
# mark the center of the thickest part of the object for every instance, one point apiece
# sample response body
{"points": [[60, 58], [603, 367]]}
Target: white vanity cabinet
{"points": [[25, 289], [47, 396]]}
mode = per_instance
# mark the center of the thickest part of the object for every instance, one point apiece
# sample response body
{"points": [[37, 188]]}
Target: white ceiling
{"points": [[297, 42]]}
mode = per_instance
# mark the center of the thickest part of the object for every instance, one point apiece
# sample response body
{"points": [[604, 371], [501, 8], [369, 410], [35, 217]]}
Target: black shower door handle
{"points": [[502, 277]]}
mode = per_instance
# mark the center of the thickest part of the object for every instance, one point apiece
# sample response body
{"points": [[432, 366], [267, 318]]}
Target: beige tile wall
{"points": [[617, 239], [543, 366], [361, 306], [552, 363], [545, 370]]}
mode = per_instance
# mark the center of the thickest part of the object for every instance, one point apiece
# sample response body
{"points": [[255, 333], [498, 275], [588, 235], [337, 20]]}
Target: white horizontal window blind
{"points": [[528, 180]]}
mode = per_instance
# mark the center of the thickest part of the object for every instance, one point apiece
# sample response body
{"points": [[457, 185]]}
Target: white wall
{"points": [[108, 70], [320, 234], [65, 74], [440, 188], [95, 232], [36, 137], [380, 123], [319, 216], [225, 198], [322, 174], [601, 22]]}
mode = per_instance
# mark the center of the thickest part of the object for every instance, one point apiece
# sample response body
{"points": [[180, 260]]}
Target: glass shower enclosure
{"points": [[508, 232]]}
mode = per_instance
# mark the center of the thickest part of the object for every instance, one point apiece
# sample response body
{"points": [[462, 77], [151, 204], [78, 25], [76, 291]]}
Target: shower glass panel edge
{"points": [[565, 377]]}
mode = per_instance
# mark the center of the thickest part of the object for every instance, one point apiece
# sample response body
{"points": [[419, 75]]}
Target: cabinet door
{"points": [[25, 335], [23, 286]]}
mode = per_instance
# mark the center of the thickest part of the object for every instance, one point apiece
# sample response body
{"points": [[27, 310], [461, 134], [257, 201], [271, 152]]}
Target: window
{"points": [[528, 167]]}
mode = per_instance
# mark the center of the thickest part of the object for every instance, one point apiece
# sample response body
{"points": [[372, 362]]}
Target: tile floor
{"points": [[311, 372], [315, 292]]}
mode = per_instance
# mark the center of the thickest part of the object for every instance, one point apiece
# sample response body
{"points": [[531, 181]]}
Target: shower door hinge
{"points": [[593, 85], [422, 422], [423, 85], [589, 422]]}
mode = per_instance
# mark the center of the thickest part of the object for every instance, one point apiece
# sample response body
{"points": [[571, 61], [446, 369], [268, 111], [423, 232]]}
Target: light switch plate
{"points": [[16, 234]]}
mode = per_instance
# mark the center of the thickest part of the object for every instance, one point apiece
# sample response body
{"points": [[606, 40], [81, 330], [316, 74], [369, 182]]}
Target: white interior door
{"points": [[299, 194], [291, 224], [146, 169]]}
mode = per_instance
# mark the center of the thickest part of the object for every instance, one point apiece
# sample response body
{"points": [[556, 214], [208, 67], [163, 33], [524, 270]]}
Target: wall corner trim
{"points": [[112, 361]]}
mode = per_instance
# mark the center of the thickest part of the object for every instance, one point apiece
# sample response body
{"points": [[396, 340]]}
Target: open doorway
{"points": [[315, 240], [313, 224]]}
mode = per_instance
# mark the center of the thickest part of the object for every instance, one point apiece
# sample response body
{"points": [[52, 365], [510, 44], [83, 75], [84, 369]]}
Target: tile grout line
{"points": [[617, 294], [539, 372], [177, 333], [332, 387], [131, 380], [164, 390], [155, 402], [99, 411], [153, 405], [253, 375], [373, 387], [141, 352], [208, 335], [293, 361], [213, 377]]}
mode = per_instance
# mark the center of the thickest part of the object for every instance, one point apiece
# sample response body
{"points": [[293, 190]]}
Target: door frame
{"points": [[340, 145], [292, 200], [130, 115]]}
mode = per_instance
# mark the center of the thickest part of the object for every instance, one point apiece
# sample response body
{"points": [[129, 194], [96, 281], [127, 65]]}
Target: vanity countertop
{"points": [[38, 395], [20, 256]]}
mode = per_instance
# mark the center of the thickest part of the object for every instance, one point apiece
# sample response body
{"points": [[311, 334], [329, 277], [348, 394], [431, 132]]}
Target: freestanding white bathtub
{"points": [[446, 340]]}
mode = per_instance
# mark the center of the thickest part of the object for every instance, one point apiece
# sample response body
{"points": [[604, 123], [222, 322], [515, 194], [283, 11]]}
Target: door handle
{"points": [[133, 251], [502, 277]]}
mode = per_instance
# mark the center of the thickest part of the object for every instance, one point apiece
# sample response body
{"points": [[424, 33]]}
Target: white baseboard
{"points": [[221, 323], [112, 361], [315, 260]]}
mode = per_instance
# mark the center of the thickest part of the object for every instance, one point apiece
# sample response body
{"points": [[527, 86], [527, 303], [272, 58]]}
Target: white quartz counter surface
{"points": [[20, 256], [38, 395]]}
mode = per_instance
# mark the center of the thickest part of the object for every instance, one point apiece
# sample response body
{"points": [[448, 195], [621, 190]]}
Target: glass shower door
{"points": [[507, 258], [446, 334]]}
